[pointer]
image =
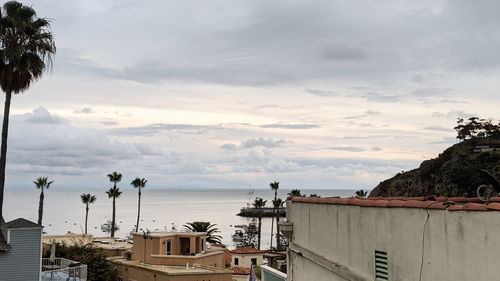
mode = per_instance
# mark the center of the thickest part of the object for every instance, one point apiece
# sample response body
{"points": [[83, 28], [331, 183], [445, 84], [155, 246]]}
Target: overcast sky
{"points": [[313, 94]]}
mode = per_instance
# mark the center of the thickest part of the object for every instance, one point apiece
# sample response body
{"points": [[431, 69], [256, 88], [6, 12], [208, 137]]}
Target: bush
{"points": [[94, 258]]}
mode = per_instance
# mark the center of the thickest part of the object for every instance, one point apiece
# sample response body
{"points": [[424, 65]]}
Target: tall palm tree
{"points": [[205, 226], [294, 193], [87, 199], [41, 183], [274, 186], [140, 184], [259, 203], [114, 192], [26, 50], [277, 203]]}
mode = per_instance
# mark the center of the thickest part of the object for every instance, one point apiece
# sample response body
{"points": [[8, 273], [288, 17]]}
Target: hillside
{"points": [[455, 172]]}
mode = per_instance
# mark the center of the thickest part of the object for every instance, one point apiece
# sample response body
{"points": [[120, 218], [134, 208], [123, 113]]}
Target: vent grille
{"points": [[381, 268]]}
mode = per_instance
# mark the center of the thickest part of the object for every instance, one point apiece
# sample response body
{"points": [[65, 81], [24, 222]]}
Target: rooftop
{"points": [[429, 202], [238, 270], [21, 223], [247, 251], [167, 233], [171, 269]]}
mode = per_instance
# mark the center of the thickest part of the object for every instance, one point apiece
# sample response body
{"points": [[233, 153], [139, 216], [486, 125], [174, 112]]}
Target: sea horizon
{"points": [[160, 208]]}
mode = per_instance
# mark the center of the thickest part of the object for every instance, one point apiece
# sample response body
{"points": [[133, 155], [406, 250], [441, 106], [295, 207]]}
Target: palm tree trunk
{"points": [[40, 208], [272, 228], [277, 229], [138, 211], [3, 150], [86, 217], [260, 227], [113, 219]]}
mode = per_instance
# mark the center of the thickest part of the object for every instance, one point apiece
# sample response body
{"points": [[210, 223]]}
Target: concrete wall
{"points": [[141, 274], [215, 259], [23, 260], [245, 260], [328, 238]]}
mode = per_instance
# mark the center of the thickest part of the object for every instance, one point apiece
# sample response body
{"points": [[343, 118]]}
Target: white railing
{"points": [[63, 269]]}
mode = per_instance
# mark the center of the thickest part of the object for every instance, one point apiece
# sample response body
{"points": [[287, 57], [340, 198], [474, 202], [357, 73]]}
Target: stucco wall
{"points": [[458, 245], [140, 274], [245, 260], [216, 259]]}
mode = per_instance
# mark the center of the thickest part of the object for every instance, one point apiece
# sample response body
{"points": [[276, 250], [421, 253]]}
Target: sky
{"points": [[231, 94]]}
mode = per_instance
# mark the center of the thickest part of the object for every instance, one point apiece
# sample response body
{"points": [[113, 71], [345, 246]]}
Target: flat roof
{"points": [[172, 269], [167, 233]]}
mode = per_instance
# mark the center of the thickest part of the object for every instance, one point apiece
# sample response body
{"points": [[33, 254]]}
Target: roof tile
{"points": [[475, 207], [247, 251]]}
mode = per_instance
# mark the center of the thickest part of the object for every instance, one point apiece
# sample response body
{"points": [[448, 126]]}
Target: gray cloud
{"points": [[347, 148], [86, 110], [263, 142], [290, 126], [42, 115], [157, 128]]}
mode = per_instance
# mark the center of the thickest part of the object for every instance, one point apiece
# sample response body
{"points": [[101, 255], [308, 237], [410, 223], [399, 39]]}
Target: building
{"points": [[246, 257], [403, 239], [271, 274], [172, 256], [240, 273], [20, 250], [110, 246]]}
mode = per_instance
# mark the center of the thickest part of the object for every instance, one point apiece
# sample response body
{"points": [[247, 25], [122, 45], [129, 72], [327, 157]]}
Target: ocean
{"points": [[160, 209]]}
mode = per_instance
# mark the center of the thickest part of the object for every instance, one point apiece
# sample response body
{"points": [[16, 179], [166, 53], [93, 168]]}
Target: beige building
{"points": [[246, 257], [400, 239], [110, 246], [172, 256]]}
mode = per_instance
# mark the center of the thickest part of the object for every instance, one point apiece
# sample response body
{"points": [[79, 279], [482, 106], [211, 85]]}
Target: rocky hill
{"points": [[455, 172]]}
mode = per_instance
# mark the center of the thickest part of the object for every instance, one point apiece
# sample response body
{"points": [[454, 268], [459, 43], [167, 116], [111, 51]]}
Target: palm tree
{"points": [[87, 199], [205, 226], [114, 193], [259, 203], [26, 50], [274, 186], [361, 193], [278, 203], [41, 183], [294, 193], [140, 184]]}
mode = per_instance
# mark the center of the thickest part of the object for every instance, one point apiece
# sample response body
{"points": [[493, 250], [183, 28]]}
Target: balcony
{"points": [[63, 269]]}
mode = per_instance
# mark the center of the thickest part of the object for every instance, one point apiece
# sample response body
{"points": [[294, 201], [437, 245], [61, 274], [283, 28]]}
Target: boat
{"points": [[107, 226]]}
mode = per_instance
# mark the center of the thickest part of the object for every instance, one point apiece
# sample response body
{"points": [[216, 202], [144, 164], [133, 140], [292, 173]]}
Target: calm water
{"points": [[63, 210]]}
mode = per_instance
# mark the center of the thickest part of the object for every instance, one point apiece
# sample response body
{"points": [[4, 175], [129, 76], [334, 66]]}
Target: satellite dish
{"points": [[486, 191]]}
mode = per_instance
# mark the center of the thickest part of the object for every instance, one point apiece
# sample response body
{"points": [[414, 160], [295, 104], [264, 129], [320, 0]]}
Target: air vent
{"points": [[381, 268]]}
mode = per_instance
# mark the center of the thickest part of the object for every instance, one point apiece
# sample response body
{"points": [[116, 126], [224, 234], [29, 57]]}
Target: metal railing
{"points": [[63, 269]]}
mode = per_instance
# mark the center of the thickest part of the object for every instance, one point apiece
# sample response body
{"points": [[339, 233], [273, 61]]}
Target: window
{"points": [[169, 247], [254, 261], [202, 244], [381, 266], [236, 261], [120, 278]]}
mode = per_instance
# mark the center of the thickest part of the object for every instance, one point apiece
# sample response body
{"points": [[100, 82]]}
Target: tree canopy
{"points": [[475, 127]]}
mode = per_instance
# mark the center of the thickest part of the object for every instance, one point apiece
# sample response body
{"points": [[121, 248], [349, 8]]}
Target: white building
{"points": [[400, 239]]}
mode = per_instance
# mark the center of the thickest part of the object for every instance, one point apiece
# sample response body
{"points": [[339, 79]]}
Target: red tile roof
{"points": [[238, 270], [247, 251], [430, 202]]}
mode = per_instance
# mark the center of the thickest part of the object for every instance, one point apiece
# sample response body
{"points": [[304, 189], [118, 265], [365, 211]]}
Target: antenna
{"points": [[486, 191]]}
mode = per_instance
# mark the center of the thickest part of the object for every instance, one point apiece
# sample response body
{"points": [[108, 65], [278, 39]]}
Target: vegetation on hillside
{"points": [[455, 172]]}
